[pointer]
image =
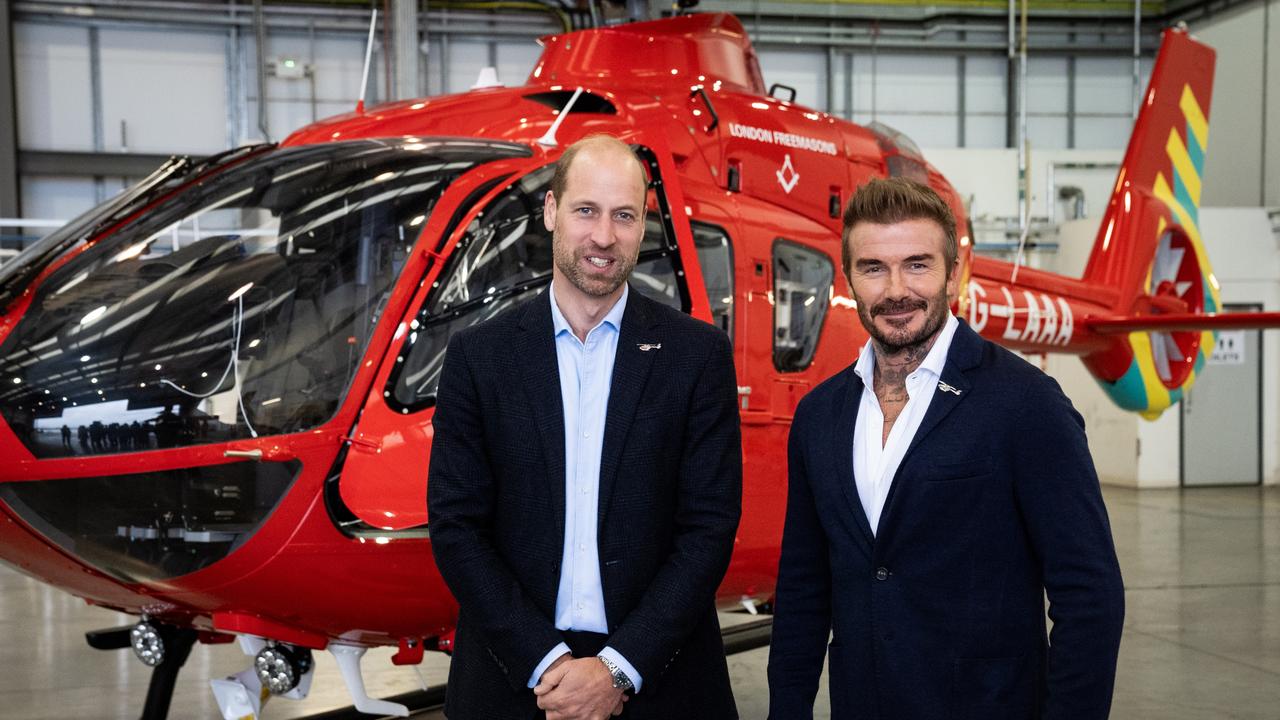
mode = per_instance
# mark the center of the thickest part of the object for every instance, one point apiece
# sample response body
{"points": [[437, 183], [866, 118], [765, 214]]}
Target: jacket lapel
{"points": [[631, 367], [535, 345], [842, 441], [964, 354]]}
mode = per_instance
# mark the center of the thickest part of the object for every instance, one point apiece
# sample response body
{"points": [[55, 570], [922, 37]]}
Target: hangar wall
{"points": [[1243, 163], [130, 87]]}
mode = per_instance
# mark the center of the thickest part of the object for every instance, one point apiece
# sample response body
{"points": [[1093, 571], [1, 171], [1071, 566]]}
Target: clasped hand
{"points": [[579, 688]]}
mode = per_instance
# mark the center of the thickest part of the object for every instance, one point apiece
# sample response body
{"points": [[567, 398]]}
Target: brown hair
{"points": [[561, 177], [885, 201]]}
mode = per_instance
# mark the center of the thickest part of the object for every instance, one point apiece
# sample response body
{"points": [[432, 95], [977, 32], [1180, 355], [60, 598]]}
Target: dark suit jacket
{"points": [[670, 498], [941, 613]]}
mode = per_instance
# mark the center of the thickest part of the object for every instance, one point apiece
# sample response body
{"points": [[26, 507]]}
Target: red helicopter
{"points": [[217, 388]]}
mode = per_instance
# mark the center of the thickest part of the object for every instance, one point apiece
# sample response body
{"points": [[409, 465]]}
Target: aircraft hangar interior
{"points": [[237, 235]]}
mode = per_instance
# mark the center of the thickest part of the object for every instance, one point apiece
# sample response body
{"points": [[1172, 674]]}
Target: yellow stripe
{"points": [[1161, 190], [1183, 166], [1195, 116], [1157, 395]]}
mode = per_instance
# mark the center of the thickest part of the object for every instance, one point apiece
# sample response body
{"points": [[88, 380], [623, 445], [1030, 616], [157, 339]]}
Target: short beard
{"points": [[896, 342], [568, 261]]}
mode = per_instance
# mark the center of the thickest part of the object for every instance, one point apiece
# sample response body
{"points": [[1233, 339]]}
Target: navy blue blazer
{"points": [[670, 499], [941, 614]]}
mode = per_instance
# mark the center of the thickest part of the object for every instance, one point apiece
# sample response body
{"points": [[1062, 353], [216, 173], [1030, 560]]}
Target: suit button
{"points": [[882, 574]]}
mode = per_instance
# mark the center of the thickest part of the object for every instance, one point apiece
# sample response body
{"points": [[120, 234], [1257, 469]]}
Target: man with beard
{"points": [[585, 480], [939, 488]]}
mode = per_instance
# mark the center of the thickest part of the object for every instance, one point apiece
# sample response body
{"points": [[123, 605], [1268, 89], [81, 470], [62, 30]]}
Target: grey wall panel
{"points": [[920, 84], [60, 198], [465, 61], [985, 86], [51, 65], [925, 130], [804, 70], [338, 65], [984, 130], [516, 61], [334, 85], [1271, 120], [1047, 132], [1233, 166], [1047, 85], [285, 117], [1105, 85], [168, 87], [1103, 133], [862, 87]]}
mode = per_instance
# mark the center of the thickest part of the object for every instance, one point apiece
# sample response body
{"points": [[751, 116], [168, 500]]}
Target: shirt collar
{"points": [[613, 318], [933, 362]]}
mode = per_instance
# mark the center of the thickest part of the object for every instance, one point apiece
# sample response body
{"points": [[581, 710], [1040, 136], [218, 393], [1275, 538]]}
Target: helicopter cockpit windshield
{"points": [[239, 307]]}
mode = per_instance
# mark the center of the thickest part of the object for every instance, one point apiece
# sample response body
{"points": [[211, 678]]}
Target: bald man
{"points": [[585, 481]]}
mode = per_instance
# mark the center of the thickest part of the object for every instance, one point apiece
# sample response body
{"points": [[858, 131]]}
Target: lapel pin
{"points": [[646, 347], [947, 388]]}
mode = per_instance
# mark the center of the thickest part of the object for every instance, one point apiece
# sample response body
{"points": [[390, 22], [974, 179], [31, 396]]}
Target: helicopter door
{"points": [[785, 154], [499, 255]]}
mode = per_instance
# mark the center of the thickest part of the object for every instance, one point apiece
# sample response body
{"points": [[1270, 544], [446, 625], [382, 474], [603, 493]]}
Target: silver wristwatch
{"points": [[620, 679]]}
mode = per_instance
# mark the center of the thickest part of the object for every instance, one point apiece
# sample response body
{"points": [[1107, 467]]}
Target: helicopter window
{"points": [[715, 256], [239, 307], [504, 257], [801, 287], [154, 525]]}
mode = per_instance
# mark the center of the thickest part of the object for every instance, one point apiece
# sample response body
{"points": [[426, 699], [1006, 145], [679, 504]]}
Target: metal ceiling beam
{"points": [[301, 18]]}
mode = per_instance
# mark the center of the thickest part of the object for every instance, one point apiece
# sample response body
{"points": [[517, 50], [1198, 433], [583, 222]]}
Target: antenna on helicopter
{"points": [[549, 140], [368, 56]]}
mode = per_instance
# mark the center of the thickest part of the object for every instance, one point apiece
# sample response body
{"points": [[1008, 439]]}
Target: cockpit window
{"points": [[240, 307], [503, 257]]}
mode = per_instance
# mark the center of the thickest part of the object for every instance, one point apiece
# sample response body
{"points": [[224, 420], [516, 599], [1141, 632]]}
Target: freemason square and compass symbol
{"points": [[787, 176]]}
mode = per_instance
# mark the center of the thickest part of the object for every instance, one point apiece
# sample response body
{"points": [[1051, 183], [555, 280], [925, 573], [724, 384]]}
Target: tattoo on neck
{"points": [[892, 369]]}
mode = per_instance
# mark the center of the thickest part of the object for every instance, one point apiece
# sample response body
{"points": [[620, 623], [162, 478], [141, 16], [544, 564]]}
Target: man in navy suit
{"points": [[939, 488], [586, 478]]}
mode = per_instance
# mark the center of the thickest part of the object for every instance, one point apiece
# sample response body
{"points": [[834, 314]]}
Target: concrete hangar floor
{"points": [[1202, 631]]}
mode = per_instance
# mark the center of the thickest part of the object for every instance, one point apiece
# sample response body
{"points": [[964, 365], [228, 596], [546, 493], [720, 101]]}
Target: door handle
{"points": [[254, 454]]}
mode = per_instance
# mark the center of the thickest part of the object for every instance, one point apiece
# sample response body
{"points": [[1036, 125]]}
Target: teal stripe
{"points": [[1196, 152], [1183, 196], [1128, 392]]}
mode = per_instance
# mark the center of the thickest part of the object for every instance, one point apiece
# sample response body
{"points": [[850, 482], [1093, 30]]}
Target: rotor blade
{"points": [[1167, 265], [1160, 355]]}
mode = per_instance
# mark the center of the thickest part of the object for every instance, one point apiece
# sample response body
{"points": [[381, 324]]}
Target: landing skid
{"points": [[164, 677]]}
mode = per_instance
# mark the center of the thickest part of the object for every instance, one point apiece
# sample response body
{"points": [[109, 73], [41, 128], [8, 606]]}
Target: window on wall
{"points": [[715, 256], [801, 285]]}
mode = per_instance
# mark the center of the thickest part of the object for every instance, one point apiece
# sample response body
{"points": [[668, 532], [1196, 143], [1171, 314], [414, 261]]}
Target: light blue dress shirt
{"points": [[586, 375]]}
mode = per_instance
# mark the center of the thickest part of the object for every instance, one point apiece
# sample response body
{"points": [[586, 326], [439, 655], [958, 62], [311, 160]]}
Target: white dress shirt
{"points": [[586, 375], [875, 460]]}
